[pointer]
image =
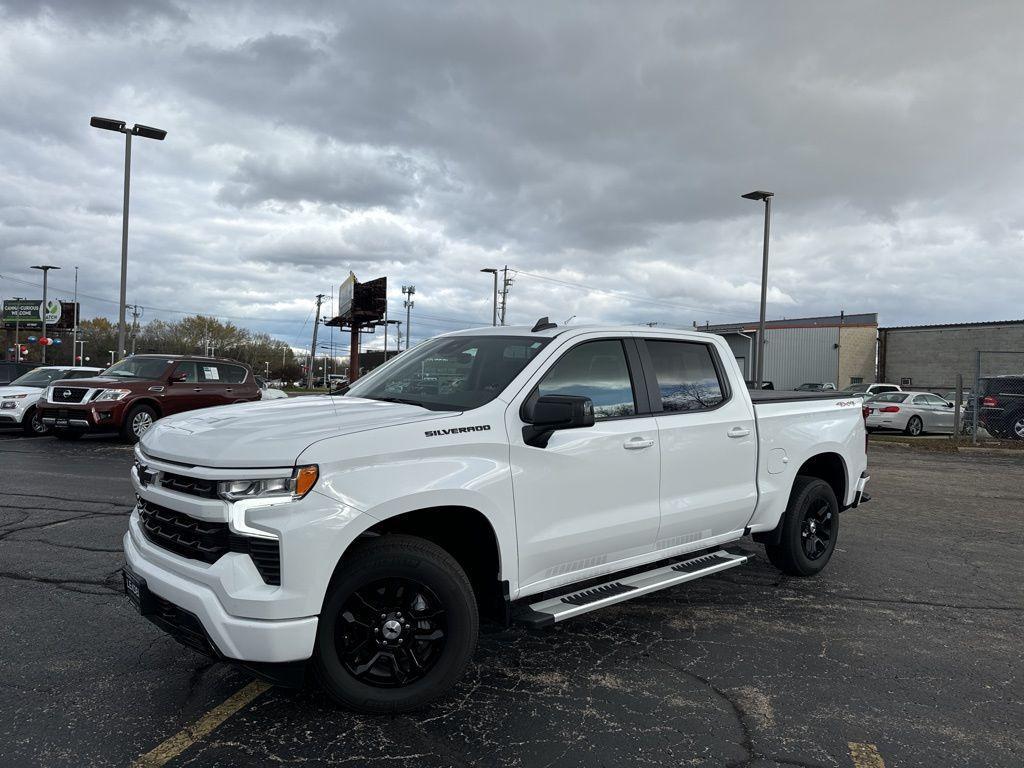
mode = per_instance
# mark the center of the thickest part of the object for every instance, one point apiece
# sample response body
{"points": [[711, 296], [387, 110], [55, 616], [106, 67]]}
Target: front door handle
{"points": [[738, 432], [197, 389], [637, 442]]}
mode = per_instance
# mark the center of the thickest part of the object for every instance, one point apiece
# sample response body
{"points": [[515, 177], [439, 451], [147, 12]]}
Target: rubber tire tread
{"points": [[373, 560], [788, 555]]}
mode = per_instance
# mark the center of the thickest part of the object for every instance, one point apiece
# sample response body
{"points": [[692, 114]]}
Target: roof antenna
{"points": [[543, 324]]}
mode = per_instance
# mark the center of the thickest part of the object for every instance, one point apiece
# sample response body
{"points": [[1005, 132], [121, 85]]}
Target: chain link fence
{"points": [[990, 405]]}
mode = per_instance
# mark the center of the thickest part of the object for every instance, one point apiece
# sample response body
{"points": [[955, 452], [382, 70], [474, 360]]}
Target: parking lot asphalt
{"points": [[907, 651]]}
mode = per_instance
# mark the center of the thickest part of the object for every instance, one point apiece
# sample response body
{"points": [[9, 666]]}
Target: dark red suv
{"points": [[130, 395]]}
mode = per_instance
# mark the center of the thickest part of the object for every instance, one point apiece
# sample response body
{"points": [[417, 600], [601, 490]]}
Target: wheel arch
{"points": [[466, 534], [151, 402], [828, 466]]}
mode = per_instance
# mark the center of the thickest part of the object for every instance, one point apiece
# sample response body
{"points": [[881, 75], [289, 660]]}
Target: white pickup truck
{"points": [[515, 474]]}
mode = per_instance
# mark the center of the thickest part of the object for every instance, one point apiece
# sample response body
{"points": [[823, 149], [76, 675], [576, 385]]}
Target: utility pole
{"points": [[398, 331], [312, 351], [135, 323], [408, 291], [506, 282], [494, 310]]}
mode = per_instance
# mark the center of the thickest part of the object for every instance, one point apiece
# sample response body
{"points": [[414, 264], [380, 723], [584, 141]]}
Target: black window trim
{"points": [[654, 394], [634, 367]]}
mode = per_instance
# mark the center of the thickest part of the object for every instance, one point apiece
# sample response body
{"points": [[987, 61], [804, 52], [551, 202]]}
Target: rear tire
{"points": [[33, 424], [136, 423], [398, 626], [810, 528], [67, 434], [915, 427]]}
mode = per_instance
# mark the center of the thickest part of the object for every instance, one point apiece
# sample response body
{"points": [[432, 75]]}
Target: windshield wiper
{"points": [[402, 400]]}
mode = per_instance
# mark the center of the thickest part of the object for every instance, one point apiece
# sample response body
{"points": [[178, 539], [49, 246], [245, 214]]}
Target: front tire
{"points": [[138, 421], [915, 427], [398, 626], [810, 527], [33, 424]]}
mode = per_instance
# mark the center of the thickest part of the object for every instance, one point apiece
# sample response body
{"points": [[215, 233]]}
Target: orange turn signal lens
{"points": [[305, 479]]}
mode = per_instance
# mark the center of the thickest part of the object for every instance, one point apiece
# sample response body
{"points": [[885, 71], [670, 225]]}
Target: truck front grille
{"points": [[193, 486], [207, 541]]}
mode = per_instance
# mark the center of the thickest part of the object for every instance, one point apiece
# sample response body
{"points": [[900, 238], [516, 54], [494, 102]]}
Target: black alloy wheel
{"points": [[816, 530], [391, 632]]}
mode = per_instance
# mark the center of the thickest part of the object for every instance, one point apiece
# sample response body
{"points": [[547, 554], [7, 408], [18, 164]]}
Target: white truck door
{"points": [[708, 442], [590, 497]]}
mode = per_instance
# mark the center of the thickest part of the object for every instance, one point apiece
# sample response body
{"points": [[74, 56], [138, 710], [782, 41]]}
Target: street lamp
{"points": [[494, 314], [145, 132], [766, 197], [45, 268]]}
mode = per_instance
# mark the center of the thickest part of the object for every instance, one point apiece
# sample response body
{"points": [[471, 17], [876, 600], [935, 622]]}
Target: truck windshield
{"points": [[456, 373], [138, 368]]}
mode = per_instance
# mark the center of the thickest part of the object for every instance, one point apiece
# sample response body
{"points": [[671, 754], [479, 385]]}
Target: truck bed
{"points": [[785, 396]]}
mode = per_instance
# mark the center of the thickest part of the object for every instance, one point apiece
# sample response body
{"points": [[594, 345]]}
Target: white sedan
{"points": [[914, 413]]}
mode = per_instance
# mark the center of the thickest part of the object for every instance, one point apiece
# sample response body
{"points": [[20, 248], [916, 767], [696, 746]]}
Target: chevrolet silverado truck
{"points": [[544, 472]]}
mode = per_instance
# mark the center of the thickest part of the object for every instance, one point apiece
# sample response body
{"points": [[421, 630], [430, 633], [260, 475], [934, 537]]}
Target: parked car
{"points": [[868, 390], [764, 385], [572, 468], [132, 394], [268, 392], [11, 371], [18, 400], [816, 387], [913, 413], [1001, 411]]}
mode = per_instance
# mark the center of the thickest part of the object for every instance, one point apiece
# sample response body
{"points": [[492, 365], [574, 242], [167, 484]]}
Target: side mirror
{"points": [[177, 377], [554, 412], [949, 404]]}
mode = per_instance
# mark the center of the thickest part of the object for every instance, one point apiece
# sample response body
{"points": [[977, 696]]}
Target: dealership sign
{"points": [[28, 314]]}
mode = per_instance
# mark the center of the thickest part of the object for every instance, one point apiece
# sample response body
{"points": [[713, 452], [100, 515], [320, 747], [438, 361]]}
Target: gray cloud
{"points": [[594, 144]]}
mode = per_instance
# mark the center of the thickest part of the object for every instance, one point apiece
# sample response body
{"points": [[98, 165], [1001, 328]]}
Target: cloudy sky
{"points": [[598, 149]]}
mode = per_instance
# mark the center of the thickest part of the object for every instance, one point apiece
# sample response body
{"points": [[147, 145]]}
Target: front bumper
{"points": [[98, 416], [231, 637]]}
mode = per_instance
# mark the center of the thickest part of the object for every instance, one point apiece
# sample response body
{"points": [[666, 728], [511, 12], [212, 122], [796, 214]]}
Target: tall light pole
{"points": [[494, 313], [145, 132], [766, 197], [45, 268], [74, 331], [408, 291]]}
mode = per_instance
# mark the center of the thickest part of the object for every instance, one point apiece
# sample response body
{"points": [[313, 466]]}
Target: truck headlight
{"points": [[112, 394], [296, 485]]}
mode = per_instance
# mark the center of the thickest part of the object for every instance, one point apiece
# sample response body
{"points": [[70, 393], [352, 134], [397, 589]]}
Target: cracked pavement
{"points": [[910, 641]]}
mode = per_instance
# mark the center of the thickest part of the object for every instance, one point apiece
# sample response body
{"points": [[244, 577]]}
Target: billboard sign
{"points": [[362, 302], [27, 314], [346, 296]]}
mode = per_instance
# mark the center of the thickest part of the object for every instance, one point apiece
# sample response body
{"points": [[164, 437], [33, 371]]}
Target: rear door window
{"points": [[231, 374], [209, 373], [687, 379], [594, 369]]}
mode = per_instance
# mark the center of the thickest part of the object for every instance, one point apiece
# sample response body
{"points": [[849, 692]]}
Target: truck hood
{"points": [[271, 433]]}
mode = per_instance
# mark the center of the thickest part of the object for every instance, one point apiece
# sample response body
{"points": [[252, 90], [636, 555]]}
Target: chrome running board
{"points": [[546, 612]]}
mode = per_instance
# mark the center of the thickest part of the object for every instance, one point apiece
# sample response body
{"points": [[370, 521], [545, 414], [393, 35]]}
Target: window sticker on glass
{"points": [[210, 373]]}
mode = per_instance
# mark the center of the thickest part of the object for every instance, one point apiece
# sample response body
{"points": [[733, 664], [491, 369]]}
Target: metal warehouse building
{"points": [[838, 349], [930, 356]]}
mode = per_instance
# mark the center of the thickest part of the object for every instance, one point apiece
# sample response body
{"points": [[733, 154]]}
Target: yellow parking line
{"points": [[201, 728], [865, 756]]}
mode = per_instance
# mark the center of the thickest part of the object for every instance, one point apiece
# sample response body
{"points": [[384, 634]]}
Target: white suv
{"points": [[18, 399]]}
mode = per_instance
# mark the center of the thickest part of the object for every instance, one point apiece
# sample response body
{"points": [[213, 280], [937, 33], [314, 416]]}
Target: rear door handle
{"points": [[637, 442], [738, 432], [197, 389]]}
